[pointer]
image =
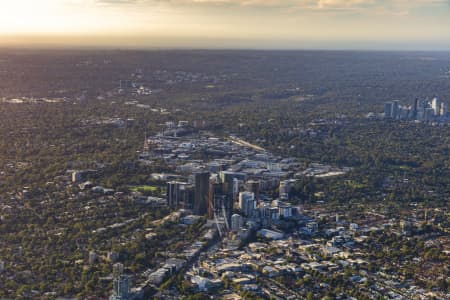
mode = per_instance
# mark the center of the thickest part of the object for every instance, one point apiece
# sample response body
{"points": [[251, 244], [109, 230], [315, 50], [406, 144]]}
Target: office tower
{"points": [[215, 200], [274, 213], [228, 205], [415, 107], [388, 109], [395, 110], [253, 186], [201, 193], [221, 209], [236, 222], [403, 112], [285, 210], [230, 181], [171, 192], [436, 106], [247, 203], [425, 104], [188, 197], [176, 194], [121, 284], [444, 109]]}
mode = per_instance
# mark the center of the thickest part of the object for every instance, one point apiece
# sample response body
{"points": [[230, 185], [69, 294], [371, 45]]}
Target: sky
{"points": [[240, 24]]}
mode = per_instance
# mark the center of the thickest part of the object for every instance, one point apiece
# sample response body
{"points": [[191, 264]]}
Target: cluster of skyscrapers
{"points": [[421, 110], [211, 195], [219, 195]]}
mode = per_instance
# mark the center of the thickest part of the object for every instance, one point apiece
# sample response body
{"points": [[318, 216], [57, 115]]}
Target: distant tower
{"points": [[436, 106], [444, 109], [415, 108], [388, 110], [395, 109], [337, 218]]}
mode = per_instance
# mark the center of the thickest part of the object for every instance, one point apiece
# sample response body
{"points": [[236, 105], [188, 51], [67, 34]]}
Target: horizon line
{"points": [[62, 47]]}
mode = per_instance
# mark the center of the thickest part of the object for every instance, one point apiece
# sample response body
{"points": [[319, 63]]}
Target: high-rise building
{"points": [[215, 200], [415, 107], [247, 203], [176, 194], [436, 106], [388, 110], [221, 208], [171, 194], [230, 181], [395, 109], [285, 210], [403, 112], [236, 222], [188, 197], [201, 193], [77, 176], [444, 109], [253, 186], [121, 284]]}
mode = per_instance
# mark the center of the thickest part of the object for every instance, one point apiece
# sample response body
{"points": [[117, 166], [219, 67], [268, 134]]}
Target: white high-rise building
{"points": [[247, 203], [77, 176], [236, 222], [436, 106]]}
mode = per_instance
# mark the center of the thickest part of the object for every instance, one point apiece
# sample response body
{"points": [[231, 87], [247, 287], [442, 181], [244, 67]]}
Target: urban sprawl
{"points": [[250, 235]]}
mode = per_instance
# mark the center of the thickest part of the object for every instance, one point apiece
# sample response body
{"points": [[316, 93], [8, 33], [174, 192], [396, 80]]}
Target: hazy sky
{"points": [[281, 24]]}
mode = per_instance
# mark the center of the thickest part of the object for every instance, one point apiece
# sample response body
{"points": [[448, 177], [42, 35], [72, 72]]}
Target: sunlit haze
{"points": [[269, 24]]}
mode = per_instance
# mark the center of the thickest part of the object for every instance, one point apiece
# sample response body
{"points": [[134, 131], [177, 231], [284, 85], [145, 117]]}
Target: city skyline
{"points": [[235, 24]]}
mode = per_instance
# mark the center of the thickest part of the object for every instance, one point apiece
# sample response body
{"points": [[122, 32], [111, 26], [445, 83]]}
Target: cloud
{"points": [[400, 5]]}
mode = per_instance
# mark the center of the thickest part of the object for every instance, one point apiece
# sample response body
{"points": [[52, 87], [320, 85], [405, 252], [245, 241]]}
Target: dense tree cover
{"points": [[48, 225]]}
